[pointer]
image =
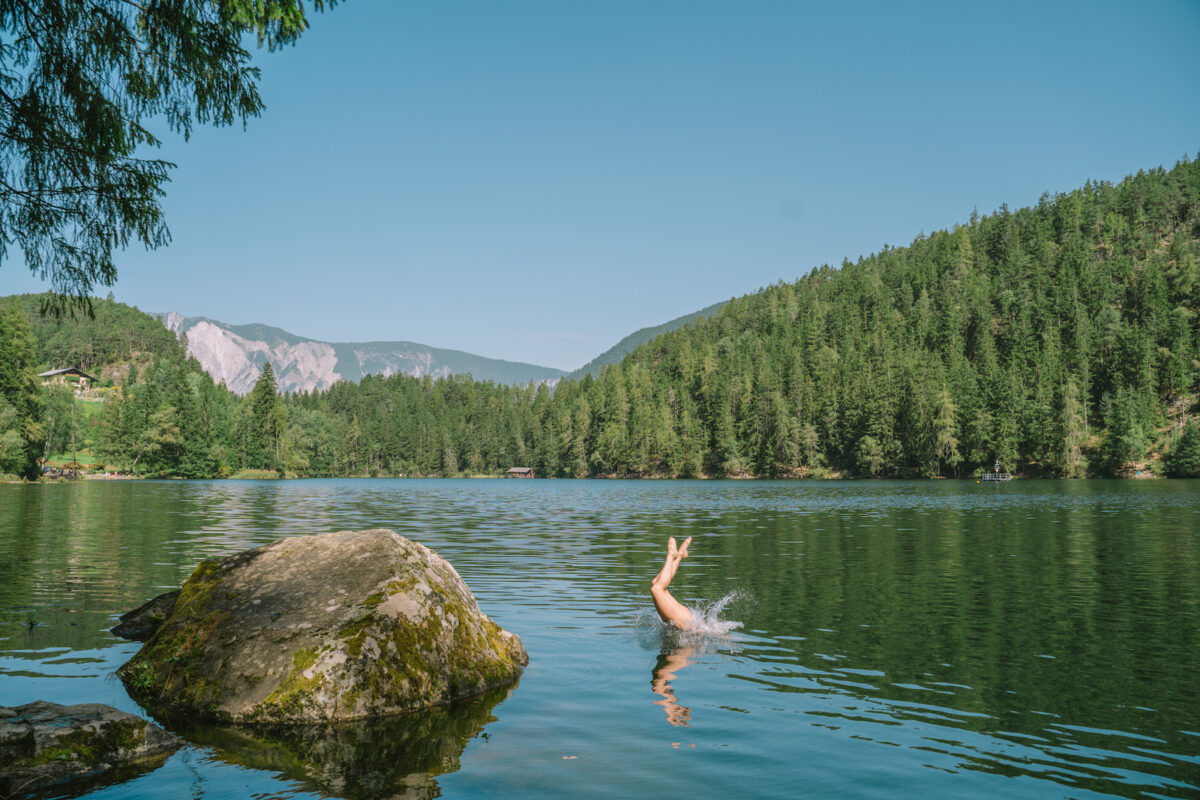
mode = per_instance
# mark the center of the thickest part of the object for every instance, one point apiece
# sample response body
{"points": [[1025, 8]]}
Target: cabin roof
{"points": [[520, 469], [68, 371]]}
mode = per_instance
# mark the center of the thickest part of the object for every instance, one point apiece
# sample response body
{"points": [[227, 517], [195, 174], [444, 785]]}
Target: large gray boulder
{"points": [[46, 748], [338, 626]]}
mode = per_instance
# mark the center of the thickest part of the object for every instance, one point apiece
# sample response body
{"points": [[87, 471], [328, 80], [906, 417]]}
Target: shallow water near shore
{"points": [[941, 639]]}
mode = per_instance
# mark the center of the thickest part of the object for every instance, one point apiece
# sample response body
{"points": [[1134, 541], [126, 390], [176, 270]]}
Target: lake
{"points": [[934, 639]]}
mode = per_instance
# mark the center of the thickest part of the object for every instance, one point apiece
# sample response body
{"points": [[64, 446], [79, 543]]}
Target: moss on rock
{"points": [[339, 626], [46, 744]]}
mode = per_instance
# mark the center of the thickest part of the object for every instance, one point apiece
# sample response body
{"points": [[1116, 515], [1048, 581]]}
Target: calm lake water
{"points": [[933, 639]]}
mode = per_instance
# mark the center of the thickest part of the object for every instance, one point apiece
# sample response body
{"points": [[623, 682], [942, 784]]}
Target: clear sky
{"points": [[535, 180]]}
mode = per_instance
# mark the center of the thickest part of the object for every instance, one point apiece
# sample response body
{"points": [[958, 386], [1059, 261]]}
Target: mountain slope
{"points": [[236, 353], [627, 345], [1061, 339]]}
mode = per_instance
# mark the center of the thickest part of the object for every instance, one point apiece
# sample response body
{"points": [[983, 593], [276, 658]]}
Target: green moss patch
{"points": [[93, 746], [165, 668], [294, 695]]}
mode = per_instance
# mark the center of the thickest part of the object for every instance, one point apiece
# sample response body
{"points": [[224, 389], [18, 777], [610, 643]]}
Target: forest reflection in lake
{"points": [[1036, 639]]}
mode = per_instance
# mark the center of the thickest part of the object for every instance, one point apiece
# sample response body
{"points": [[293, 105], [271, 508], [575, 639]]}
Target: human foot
{"points": [[683, 553]]}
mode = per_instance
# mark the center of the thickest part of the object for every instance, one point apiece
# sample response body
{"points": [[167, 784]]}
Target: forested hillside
{"points": [[1061, 340], [153, 411], [113, 334], [627, 345]]}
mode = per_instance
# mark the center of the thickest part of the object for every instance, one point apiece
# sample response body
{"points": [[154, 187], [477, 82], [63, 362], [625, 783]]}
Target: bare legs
{"points": [[670, 609], [677, 614], [664, 673]]}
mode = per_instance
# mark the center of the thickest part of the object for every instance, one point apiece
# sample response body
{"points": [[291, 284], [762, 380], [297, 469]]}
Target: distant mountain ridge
{"points": [[236, 354], [627, 345]]}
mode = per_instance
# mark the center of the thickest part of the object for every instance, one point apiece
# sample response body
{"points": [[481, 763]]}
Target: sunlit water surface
{"points": [[949, 639]]}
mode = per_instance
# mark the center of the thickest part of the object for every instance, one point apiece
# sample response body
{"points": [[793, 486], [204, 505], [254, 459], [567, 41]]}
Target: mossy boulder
{"points": [[47, 748], [338, 626]]}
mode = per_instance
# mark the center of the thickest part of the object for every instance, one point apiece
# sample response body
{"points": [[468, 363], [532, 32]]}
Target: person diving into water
{"points": [[670, 609]]}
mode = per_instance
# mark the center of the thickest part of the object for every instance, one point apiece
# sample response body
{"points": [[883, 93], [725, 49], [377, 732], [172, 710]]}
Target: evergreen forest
{"points": [[1061, 340]]}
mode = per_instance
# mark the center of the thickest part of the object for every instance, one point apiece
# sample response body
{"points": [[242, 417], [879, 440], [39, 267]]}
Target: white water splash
{"points": [[708, 634], [706, 620]]}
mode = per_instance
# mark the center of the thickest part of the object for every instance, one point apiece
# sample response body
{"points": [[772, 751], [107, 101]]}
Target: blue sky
{"points": [[535, 180]]}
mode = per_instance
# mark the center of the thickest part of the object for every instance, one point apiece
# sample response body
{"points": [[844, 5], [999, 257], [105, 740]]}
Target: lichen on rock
{"points": [[47, 747], [338, 626]]}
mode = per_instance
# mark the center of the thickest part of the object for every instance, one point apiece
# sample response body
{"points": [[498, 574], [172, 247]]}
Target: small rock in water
{"points": [[141, 623], [337, 626], [46, 747]]}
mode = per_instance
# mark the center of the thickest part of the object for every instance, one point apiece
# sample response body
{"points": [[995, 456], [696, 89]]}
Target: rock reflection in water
{"points": [[391, 757]]}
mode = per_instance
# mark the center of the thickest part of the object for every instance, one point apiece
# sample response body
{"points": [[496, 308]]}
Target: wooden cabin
{"points": [[62, 376], [521, 472]]}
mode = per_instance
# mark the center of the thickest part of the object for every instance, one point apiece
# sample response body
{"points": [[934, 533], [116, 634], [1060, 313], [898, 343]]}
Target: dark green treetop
{"points": [[1183, 460], [20, 402]]}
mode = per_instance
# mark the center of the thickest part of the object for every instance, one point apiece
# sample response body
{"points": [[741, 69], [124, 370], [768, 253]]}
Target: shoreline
{"points": [[824, 477]]}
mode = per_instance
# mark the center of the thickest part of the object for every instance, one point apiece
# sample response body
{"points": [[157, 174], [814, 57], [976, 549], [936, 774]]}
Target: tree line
{"points": [[1060, 340]]}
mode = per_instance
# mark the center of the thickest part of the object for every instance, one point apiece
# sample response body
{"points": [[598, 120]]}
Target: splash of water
{"points": [[708, 634], [706, 619], [706, 623]]}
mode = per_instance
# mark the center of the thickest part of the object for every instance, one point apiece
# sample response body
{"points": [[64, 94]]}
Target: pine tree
{"points": [[113, 437], [263, 419], [1072, 433], [59, 420], [871, 460], [19, 392], [159, 444], [1183, 459], [1125, 439], [945, 441]]}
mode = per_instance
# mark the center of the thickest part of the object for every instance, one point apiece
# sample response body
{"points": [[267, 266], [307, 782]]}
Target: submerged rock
{"points": [[392, 757], [48, 748], [141, 623], [338, 626]]}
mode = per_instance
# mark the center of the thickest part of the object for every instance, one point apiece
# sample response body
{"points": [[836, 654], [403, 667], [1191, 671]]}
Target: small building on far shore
{"points": [[521, 472], [63, 375]]}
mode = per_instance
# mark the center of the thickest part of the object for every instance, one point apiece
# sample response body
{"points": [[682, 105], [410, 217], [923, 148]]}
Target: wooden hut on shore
{"points": [[62, 375], [521, 472]]}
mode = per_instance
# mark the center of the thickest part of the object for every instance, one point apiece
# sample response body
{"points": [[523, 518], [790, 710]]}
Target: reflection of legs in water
{"points": [[668, 665], [670, 609]]}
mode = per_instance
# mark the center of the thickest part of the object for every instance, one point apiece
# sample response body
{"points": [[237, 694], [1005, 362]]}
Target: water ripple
{"points": [[941, 639]]}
